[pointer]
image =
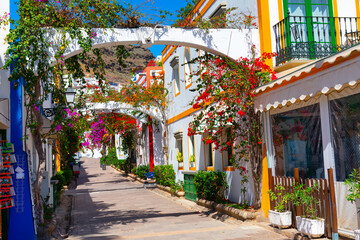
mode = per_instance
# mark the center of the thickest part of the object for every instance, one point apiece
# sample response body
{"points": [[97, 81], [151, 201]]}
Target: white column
{"points": [[328, 149], [267, 137]]}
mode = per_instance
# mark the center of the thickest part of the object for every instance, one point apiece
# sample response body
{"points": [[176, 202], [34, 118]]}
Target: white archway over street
{"points": [[232, 43], [124, 108]]}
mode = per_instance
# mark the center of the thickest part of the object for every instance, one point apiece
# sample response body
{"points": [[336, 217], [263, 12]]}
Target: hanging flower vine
{"points": [[225, 100]]}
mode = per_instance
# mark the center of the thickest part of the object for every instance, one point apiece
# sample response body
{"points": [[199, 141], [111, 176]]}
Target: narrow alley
{"points": [[107, 205]]}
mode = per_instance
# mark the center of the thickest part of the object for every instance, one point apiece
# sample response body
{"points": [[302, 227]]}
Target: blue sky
{"points": [[151, 8]]}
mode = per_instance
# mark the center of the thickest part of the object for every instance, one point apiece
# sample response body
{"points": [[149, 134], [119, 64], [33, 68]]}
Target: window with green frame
{"points": [[310, 21]]}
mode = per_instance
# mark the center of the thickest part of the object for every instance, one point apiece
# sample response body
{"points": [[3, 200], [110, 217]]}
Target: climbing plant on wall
{"points": [[225, 100], [154, 96], [39, 74]]}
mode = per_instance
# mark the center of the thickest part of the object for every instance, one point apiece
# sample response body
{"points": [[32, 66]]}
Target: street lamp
{"points": [[70, 97]]}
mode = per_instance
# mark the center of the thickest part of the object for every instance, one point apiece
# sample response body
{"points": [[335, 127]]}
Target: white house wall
{"points": [[346, 8], [158, 136], [4, 74], [180, 103]]}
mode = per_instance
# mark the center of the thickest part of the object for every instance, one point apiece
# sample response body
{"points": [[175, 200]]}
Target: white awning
{"points": [[324, 76]]}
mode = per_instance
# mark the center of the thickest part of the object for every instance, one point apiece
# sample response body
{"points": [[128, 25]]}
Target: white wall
{"points": [[180, 103]]}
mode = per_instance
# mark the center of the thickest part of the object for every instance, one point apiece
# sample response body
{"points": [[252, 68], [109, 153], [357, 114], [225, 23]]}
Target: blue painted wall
{"points": [[21, 224]]}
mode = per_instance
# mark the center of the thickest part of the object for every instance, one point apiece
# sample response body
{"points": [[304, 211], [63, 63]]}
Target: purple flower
{"points": [[58, 127]]}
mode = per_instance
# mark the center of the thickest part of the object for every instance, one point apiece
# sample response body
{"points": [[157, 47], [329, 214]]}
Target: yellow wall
{"points": [[264, 28], [58, 167], [265, 199], [265, 46]]}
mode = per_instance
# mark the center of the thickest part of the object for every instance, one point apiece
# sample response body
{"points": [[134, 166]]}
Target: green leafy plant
{"points": [[281, 195], [141, 171], [192, 158], [210, 185], [217, 77], [110, 158], [304, 196], [164, 175], [176, 186], [353, 181], [179, 157]]}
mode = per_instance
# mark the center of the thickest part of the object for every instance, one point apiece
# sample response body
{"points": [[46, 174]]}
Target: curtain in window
{"points": [[297, 142], [345, 126]]}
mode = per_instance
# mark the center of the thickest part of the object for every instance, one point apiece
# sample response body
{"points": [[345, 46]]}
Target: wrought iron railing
{"points": [[304, 37]]}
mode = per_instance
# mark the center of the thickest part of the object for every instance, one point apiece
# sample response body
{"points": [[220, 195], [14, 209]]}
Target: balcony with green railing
{"points": [[307, 38]]}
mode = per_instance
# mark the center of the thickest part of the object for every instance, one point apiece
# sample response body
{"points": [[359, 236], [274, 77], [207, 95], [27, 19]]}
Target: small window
{"points": [[179, 155], [175, 66], [187, 68], [227, 154], [219, 12], [192, 157], [209, 155]]}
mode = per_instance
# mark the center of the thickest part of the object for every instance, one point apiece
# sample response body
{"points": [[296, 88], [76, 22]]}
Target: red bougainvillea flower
{"points": [[241, 113], [209, 141]]}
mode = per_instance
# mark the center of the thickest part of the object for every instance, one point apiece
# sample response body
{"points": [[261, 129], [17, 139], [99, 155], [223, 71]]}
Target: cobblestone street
{"points": [[107, 205]]}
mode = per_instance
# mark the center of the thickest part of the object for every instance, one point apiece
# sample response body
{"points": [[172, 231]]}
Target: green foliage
{"points": [[123, 164], [60, 177], [110, 158], [304, 196], [133, 170], [230, 86], [188, 18], [177, 186], [164, 175], [64, 177], [210, 185], [353, 181], [47, 212], [141, 170], [179, 157], [192, 158], [234, 205], [68, 174], [281, 195]]}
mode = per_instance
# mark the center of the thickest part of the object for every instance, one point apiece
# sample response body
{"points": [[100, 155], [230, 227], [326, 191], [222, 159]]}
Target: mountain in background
{"points": [[138, 59]]}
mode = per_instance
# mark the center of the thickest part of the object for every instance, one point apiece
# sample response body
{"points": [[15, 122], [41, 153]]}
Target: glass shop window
{"points": [[345, 126], [298, 143]]}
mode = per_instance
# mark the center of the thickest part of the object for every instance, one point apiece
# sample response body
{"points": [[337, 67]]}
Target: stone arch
{"points": [[232, 43]]}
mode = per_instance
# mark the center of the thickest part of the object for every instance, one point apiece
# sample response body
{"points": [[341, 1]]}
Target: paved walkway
{"points": [[107, 206]]}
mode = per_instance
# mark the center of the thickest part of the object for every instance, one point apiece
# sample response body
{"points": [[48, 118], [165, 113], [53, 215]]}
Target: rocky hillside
{"points": [[139, 58]]}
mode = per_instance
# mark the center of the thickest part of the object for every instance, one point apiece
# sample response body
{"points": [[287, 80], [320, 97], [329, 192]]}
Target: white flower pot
{"points": [[192, 164], [280, 219], [311, 227], [181, 164], [357, 234]]}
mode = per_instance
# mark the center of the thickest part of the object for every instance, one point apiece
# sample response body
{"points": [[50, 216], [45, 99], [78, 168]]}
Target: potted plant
{"points": [[192, 161], [180, 159], [280, 217], [308, 224], [354, 192]]}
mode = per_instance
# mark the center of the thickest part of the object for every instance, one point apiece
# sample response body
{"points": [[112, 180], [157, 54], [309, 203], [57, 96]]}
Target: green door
{"points": [[190, 192], [311, 26]]}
